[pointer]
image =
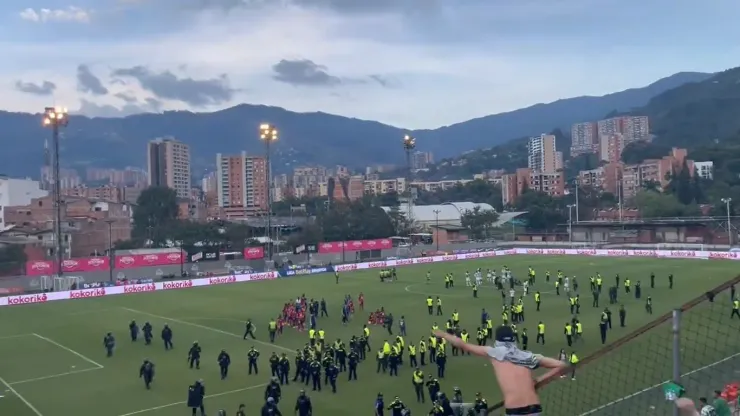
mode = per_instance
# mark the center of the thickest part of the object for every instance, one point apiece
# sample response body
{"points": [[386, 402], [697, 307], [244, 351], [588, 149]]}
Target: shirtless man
{"points": [[513, 368]]}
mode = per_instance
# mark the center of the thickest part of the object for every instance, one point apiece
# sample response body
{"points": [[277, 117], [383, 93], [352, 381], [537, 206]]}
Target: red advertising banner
{"points": [[355, 245], [96, 264], [254, 253], [78, 265], [148, 260]]}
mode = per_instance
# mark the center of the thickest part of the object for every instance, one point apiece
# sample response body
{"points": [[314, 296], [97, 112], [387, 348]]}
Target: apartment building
{"points": [[611, 147], [584, 138], [514, 184], [435, 186], [126, 177], [68, 178], [304, 177], [168, 162], [107, 192], [604, 177], [633, 178], [421, 160], [542, 154], [551, 183], [636, 128], [705, 170], [241, 182], [384, 186]]}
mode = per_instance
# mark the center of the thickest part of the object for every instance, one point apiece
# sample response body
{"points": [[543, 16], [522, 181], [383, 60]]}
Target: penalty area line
{"points": [[21, 398], [68, 373], [207, 328], [164, 406], [645, 390], [70, 350]]}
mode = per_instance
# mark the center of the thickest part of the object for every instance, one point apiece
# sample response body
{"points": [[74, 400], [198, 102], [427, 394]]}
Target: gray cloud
{"points": [[129, 98], [303, 72], [166, 85], [45, 88], [92, 109], [307, 73], [89, 82]]}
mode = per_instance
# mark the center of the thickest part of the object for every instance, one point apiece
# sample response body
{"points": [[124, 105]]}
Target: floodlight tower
{"points": [[269, 134], [56, 118], [727, 202], [409, 144]]}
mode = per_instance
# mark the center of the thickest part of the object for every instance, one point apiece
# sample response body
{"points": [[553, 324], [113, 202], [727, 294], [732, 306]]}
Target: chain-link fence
{"points": [[696, 346]]}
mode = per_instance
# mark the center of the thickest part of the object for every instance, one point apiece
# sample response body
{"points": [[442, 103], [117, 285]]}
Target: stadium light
{"points": [[56, 118], [269, 134], [727, 202], [409, 144]]}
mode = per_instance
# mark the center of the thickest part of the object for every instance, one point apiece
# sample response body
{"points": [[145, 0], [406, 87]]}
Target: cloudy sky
{"points": [[411, 63]]}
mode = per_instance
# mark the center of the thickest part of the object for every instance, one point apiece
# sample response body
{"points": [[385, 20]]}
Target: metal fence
{"points": [[696, 346]]}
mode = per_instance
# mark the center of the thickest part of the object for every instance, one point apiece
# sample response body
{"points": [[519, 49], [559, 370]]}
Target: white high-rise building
{"points": [[168, 161], [705, 170], [543, 157]]}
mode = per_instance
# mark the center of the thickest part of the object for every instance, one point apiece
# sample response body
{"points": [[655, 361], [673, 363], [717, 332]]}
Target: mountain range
{"points": [[316, 138]]}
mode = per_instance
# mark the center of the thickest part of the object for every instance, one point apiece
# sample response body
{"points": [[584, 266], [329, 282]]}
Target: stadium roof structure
{"points": [[449, 212], [505, 217]]}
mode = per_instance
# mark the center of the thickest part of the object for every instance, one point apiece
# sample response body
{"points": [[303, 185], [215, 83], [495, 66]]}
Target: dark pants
{"points": [[418, 388], [168, 344], [283, 376], [541, 337], [253, 365], [196, 362], [224, 371], [352, 372]]}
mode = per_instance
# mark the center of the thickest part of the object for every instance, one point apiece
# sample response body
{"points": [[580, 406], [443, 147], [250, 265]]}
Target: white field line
{"points": [[31, 380], [23, 399], [602, 407], [207, 328], [16, 336], [51, 341], [164, 406]]}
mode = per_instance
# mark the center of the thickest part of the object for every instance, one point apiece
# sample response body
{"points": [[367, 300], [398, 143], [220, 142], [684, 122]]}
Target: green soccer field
{"points": [[53, 361]]}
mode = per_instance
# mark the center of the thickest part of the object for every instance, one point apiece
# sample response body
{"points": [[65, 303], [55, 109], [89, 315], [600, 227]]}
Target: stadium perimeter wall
{"points": [[240, 278]]}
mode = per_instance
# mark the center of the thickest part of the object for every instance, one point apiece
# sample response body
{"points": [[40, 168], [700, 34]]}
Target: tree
{"points": [[478, 222], [543, 211], [12, 259], [156, 208], [657, 205], [401, 224]]}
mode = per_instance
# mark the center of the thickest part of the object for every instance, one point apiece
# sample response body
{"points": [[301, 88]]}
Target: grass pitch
{"points": [[54, 361]]}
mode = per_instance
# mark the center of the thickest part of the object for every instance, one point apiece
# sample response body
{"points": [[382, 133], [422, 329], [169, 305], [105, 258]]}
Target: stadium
{"points": [[59, 365]]}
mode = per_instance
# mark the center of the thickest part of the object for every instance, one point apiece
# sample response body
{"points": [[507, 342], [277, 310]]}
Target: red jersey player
{"points": [[361, 301]]}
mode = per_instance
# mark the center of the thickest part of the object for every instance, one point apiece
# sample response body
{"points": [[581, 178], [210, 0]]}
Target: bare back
{"points": [[516, 384]]}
